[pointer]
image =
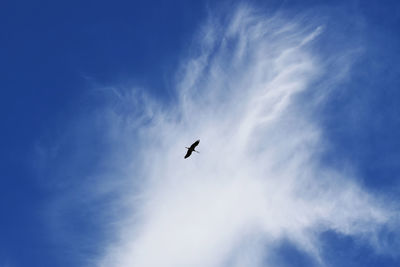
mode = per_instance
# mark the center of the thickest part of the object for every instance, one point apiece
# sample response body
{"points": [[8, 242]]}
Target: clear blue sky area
{"points": [[52, 52]]}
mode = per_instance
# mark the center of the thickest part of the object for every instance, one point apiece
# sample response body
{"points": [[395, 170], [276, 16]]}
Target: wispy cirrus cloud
{"points": [[259, 178]]}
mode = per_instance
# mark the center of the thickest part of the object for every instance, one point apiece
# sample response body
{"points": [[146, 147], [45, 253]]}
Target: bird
{"points": [[191, 149]]}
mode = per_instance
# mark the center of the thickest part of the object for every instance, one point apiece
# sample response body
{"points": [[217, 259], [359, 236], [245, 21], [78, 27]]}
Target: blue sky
{"points": [[99, 98]]}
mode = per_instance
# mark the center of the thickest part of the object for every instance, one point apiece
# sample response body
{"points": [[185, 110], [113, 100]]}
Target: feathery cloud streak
{"points": [[258, 179]]}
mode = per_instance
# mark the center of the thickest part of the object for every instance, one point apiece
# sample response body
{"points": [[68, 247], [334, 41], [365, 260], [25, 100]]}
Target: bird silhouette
{"points": [[191, 149]]}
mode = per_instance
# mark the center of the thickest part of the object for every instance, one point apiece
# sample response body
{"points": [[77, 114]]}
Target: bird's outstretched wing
{"points": [[194, 144], [188, 153]]}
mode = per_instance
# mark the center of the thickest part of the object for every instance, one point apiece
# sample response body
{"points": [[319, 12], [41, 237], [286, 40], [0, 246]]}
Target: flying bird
{"points": [[191, 149]]}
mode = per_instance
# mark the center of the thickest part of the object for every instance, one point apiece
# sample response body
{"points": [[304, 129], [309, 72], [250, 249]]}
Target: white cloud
{"points": [[258, 178]]}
